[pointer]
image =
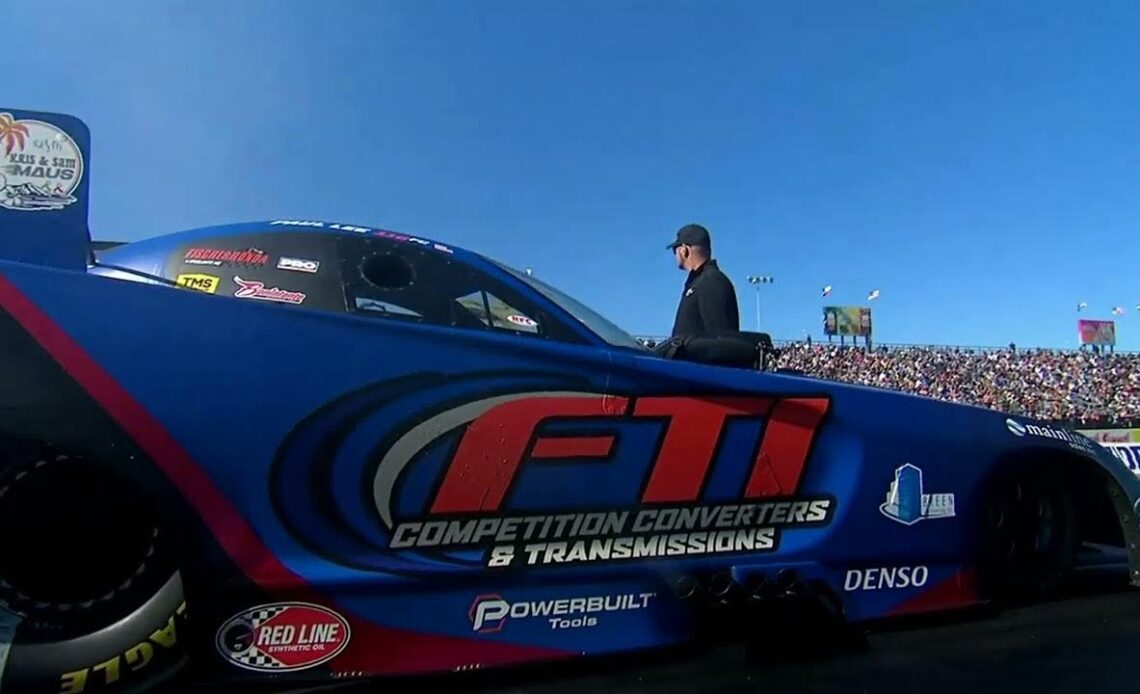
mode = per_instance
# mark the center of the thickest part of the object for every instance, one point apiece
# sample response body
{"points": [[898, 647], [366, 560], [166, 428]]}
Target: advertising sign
{"points": [[847, 320], [1097, 332]]}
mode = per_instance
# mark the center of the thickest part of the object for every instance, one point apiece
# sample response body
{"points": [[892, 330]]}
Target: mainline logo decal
{"points": [[502, 438], [1074, 439]]}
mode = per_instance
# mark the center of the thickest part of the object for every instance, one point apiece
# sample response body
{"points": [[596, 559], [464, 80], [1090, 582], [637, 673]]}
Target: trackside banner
{"points": [[1112, 435], [1123, 443]]}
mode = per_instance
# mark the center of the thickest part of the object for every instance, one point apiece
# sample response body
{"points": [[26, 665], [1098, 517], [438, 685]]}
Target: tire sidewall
{"points": [[112, 650], [1043, 576], [146, 645]]}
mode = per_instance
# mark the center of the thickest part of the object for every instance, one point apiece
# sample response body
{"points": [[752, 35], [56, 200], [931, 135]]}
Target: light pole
{"points": [[756, 281]]}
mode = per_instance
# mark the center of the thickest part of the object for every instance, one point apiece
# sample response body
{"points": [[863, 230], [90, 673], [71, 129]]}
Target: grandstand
{"points": [[1081, 388]]}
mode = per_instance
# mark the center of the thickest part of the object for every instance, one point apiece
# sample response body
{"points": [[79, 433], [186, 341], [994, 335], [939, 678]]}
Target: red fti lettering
{"points": [[493, 446], [784, 450], [573, 447], [691, 436]]}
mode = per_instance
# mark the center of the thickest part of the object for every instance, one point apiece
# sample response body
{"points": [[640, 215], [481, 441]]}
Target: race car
{"points": [[297, 451]]}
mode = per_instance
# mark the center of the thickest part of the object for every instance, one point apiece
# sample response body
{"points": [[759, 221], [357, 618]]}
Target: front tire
{"points": [[1030, 536], [90, 593]]}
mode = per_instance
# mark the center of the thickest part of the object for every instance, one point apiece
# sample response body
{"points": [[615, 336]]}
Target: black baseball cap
{"points": [[691, 235]]}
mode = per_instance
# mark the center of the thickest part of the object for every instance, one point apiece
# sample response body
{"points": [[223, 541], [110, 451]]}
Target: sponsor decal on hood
{"points": [[253, 289]]}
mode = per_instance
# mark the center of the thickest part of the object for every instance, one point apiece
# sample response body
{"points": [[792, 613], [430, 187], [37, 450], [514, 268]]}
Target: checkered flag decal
{"points": [[265, 614], [253, 657]]}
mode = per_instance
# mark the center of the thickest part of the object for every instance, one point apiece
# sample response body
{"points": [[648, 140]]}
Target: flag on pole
{"points": [[827, 290], [1081, 306], [873, 295], [1118, 311]]}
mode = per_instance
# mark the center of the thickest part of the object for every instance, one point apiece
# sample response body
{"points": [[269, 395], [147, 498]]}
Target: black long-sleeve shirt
{"points": [[708, 303]]}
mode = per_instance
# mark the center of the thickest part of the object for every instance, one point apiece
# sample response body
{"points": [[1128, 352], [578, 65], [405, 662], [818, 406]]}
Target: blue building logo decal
{"points": [[907, 504]]}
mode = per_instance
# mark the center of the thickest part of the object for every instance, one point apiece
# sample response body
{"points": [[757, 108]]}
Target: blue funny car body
{"points": [[363, 452]]}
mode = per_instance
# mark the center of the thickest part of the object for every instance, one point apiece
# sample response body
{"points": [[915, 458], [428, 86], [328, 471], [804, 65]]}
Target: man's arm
{"points": [[717, 304]]}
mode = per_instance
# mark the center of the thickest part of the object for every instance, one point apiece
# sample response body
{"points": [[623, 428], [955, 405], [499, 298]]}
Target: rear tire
{"points": [[90, 594], [1030, 536]]}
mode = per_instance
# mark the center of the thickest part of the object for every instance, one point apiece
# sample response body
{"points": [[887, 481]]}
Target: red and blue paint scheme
{"points": [[463, 466]]}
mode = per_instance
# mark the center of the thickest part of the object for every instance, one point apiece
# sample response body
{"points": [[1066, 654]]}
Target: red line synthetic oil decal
{"points": [[283, 637]]}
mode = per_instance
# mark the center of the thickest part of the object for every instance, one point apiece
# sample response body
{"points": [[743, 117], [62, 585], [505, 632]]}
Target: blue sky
{"points": [[977, 162]]}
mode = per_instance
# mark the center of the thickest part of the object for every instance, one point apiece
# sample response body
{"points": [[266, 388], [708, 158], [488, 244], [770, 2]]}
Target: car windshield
{"points": [[600, 326]]}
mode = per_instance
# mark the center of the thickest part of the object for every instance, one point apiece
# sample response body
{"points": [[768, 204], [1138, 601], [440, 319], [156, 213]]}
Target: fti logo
{"points": [[521, 470], [504, 438], [907, 504]]}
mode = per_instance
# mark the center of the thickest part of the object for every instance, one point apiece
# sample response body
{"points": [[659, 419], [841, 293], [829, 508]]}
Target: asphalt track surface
{"points": [[1086, 642]]}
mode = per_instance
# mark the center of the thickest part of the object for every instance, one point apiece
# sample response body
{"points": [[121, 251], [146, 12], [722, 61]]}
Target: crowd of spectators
{"points": [[1078, 387]]}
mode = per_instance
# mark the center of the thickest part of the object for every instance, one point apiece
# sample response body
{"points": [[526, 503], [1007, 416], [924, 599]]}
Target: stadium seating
{"points": [[1076, 387]]}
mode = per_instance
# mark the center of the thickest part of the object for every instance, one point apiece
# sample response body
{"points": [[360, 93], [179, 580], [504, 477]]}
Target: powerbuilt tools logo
{"points": [[490, 613]]}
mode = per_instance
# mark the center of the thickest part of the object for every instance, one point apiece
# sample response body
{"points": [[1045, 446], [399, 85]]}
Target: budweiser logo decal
{"points": [[251, 289]]}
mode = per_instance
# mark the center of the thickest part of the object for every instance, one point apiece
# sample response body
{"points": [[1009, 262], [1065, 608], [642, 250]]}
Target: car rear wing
{"points": [[44, 179]]}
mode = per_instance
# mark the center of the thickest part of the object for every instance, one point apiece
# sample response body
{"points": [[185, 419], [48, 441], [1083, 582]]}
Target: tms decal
{"points": [[886, 578], [537, 475], [201, 283], [907, 504], [489, 613], [217, 257], [283, 637]]}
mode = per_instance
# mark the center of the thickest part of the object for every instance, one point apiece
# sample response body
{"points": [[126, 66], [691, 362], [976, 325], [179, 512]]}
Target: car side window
{"points": [[495, 313], [391, 280]]}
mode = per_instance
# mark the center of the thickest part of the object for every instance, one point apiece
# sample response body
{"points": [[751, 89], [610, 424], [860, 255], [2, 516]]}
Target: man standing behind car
{"points": [[709, 300]]}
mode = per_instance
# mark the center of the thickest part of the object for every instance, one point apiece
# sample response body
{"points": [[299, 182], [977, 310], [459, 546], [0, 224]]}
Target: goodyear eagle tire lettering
{"points": [[94, 597]]}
